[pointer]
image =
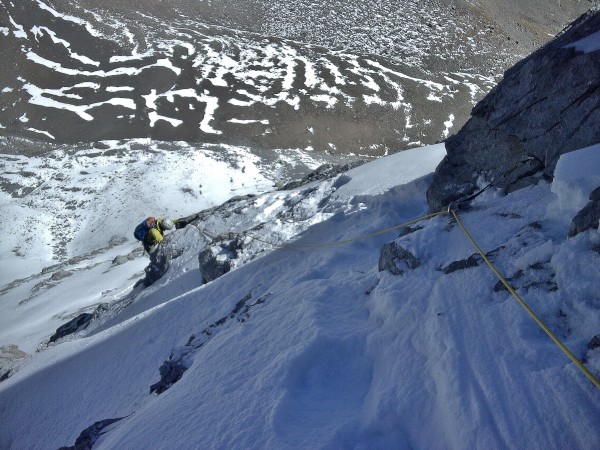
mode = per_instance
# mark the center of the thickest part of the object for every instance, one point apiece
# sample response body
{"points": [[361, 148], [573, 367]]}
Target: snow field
{"points": [[338, 354]]}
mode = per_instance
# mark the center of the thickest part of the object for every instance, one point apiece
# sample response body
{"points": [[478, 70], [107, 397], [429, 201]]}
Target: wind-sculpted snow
{"points": [[187, 81]]}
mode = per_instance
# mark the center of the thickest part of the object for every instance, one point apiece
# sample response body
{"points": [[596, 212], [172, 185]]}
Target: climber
{"points": [[151, 232]]}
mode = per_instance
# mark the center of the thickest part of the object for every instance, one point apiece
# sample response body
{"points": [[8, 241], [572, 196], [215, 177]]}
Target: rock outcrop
{"points": [[546, 105], [160, 259], [589, 216], [77, 323], [396, 259], [89, 436]]}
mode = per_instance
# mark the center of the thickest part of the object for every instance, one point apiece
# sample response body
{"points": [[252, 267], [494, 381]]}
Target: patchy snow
{"points": [[231, 73], [44, 194]]}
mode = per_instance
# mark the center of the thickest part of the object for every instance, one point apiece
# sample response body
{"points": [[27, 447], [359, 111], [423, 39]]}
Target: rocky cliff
{"points": [[546, 105]]}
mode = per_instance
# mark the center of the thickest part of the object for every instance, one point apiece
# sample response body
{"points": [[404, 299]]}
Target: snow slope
{"points": [[75, 209], [320, 348]]}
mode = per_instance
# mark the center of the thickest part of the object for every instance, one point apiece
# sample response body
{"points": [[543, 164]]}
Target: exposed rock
{"points": [[588, 217], [161, 258], [517, 133], [216, 260], [472, 261], [397, 259], [171, 372], [10, 358], [323, 172], [180, 358], [89, 436], [594, 343], [78, 323], [60, 275], [539, 276]]}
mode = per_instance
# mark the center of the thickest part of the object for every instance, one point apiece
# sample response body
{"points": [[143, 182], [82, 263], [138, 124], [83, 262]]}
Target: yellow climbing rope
{"points": [[557, 341], [346, 241], [451, 211]]}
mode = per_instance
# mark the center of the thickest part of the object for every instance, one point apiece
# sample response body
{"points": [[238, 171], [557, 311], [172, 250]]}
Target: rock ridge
{"points": [[547, 104]]}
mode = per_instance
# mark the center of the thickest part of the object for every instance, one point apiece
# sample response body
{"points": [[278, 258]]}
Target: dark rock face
{"points": [[160, 260], [171, 372], [78, 323], [181, 358], [89, 436], [323, 172], [472, 261], [397, 259], [588, 217], [546, 105]]}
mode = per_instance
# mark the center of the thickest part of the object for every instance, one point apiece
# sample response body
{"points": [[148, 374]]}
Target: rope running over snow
{"points": [[451, 211], [542, 325]]}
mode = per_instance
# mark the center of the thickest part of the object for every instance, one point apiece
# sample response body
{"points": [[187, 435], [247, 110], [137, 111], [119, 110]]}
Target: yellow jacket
{"points": [[155, 235]]}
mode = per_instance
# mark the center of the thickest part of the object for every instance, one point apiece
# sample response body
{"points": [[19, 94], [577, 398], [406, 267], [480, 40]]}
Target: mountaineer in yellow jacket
{"points": [[151, 231]]}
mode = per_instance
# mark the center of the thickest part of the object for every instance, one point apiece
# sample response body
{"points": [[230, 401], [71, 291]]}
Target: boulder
{"points": [[217, 259], [594, 343], [161, 258], [396, 259]]}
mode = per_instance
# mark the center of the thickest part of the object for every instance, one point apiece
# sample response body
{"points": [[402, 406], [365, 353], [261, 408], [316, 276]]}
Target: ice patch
{"points": [[155, 117], [119, 88], [39, 31], [249, 121], [69, 18], [38, 97]]}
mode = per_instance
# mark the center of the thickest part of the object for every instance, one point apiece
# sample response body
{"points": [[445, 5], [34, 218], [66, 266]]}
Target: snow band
{"points": [[557, 341]]}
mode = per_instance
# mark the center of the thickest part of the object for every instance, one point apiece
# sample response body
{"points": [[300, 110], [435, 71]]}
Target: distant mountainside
{"points": [[436, 35], [329, 315], [84, 71]]}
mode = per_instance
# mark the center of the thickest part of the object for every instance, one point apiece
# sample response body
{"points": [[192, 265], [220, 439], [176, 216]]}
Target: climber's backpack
{"points": [[141, 231]]}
